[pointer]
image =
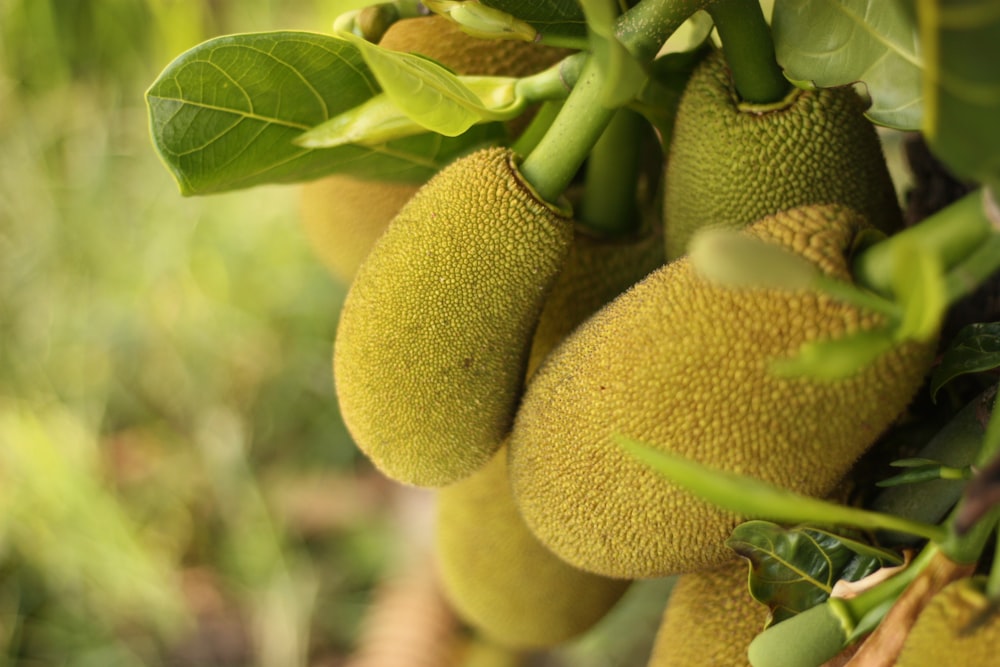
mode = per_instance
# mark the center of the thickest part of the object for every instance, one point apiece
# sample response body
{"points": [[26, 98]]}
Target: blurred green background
{"points": [[176, 487]]}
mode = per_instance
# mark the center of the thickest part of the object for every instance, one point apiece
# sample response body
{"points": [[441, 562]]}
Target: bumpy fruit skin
{"points": [[957, 627], [596, 271], [497, 575], [342, 217], [729, 168], [710, 620], [683, 365], [434, 336]]}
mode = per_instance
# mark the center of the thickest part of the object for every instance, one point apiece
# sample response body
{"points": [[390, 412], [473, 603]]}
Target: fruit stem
{"points": [[537, 128], [993, 582], [550, 168], [954, 234], [609, 199], [749, 50]]}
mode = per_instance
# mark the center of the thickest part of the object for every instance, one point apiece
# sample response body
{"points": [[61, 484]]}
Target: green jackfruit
{"points": [[683, 365], [730, 165], [596, 271], [959, 626], [710, 620], [343, 216], [500, 579], [433, 340]]}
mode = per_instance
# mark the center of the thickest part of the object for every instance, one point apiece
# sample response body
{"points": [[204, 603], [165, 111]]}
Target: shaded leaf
{"points": [[962, 85], [551, 18], [793, 569], [838, 42], [975, 349], [224, 115]]}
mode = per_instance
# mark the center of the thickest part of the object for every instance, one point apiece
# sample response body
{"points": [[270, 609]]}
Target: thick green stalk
{"points": [[749, 49], [609, 199], [550, 168], [953, 234]]}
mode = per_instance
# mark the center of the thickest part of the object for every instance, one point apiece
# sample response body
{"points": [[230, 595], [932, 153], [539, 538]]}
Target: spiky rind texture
{"points": [[958, 627], [342, 217], [434, 336], [498, 576], [729, 167], [710, 620], [683, 365]]}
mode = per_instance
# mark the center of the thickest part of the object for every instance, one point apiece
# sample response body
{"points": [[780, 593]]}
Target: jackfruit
{"points": [[596, 271], [433, 340], [500, 579], [343, 215], [683, 365], [710, 620], [730, 164], [960, 626]]}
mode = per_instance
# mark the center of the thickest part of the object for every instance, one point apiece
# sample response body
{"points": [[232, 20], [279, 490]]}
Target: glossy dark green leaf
{"points": [[224, 115], [975, 349], [551, 18], [838, 42], [793, 569], [962, 82]]}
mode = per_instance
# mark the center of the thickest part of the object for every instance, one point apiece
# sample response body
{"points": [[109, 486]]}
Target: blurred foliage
{"points": [[176, 486]]}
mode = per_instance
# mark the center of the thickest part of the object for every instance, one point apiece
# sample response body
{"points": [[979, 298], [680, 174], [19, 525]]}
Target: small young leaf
{"points": [[925, 473], [962, 85], [836, 359], [427, 92], [753, 498], [483, 21], [919, 285], [733, 259], [838, 42], [975, 349], [793, 569]]}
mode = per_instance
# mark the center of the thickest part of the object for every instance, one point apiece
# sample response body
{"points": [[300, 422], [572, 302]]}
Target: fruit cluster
{"points": [[491, 347]]}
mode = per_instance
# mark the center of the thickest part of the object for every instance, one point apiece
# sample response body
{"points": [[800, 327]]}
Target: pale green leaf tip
{"points": [[732, 259]]}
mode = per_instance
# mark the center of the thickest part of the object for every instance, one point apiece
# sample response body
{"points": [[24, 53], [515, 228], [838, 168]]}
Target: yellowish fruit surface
{"points": [[343, 216], [434, 336], [500, 579], [710, 620], [683, 365], [729, 167], [958, 627]]}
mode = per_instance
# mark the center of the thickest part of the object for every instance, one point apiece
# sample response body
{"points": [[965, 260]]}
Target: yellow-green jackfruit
{"points": [[596, 271], [498, 576], [433, 340], [342, 215], [683, 365], [710, 620], [731, 164], [959, 626]]}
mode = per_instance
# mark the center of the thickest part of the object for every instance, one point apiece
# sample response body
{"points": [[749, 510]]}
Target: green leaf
{"points": [[962, 82], [483, 21], [975, 349], [836, 359], [793, 569], [551, 18], [918, 282], [753, 498], [838, 42], [733, 259], [429, 93], [224, 115]]}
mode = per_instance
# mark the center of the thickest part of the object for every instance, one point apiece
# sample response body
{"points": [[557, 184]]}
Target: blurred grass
{"points": [[176, 486]]}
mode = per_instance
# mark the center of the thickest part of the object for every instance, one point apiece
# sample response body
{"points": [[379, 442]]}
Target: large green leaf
{"points": [[224, 114], [975, 349], [962, 80], [793, 569], [838, 42], [551, 18]]}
